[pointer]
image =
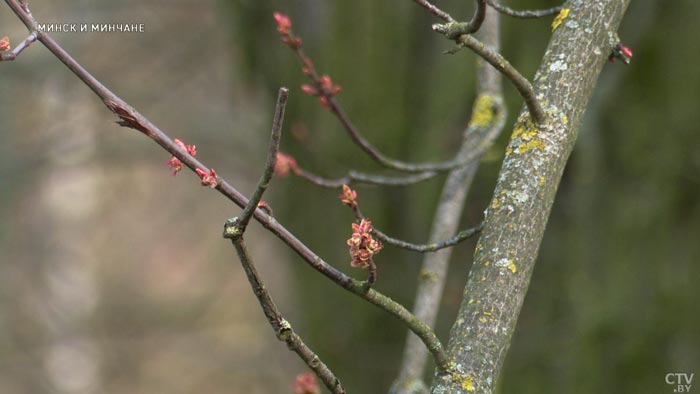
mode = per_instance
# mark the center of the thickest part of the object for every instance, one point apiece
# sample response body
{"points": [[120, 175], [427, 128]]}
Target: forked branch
{"points": [[456, 31]]}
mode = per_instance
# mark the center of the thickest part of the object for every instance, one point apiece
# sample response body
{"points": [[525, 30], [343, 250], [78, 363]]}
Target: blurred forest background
{"points": [[114, 277]]}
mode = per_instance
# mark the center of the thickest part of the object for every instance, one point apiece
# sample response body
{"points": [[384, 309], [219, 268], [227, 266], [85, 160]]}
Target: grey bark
{"points": [[524, 194]]}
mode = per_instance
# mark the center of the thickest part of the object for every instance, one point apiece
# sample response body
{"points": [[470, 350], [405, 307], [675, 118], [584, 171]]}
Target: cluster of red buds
{"points": [[174, 162], [208, 178], [284, 27], [324, 89], [348, 197], [362, 245], [321, 87], [285, 164], [305, 384], [620, 52], [5, 44]]}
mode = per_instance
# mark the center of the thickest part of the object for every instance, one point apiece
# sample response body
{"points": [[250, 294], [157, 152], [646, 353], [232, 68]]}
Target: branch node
{"points": [[232, 229]]}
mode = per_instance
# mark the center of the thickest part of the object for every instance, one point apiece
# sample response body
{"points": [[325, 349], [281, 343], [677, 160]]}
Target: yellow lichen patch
{"points": [[534, 144], [526, 130], [428, 276], [487, 263], [483, 279], [483, 319], [467, 383], [563, 14], [512, 267], [496, 203], [482, 115], [541, 181]]}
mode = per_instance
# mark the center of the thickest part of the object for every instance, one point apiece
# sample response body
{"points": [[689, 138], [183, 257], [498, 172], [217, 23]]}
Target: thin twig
{"points": [[431, 247], [525, 14], [521, 83], [282, 328], [420, 248], [356, 136], [12, 55], [360, 177], [478, 18], [382, 159], [452, 30], [133, 119], [456, 29], [436, 11], [271, 160]]}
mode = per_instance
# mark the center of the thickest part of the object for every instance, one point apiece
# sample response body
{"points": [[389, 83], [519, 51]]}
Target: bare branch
{"points": [[12, 55], [282, 328], [431, 247], [525, 14], [326, 94], [370, 179], [521, 83], [271, 160], [420, 248]]}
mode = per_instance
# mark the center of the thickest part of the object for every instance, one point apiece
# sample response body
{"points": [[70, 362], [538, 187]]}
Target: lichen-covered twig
{"points": [[525, 14]]}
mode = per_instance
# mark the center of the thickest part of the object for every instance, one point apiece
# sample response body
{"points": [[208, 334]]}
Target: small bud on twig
{"points": [[208, 179], [620, 52], [285, 164], [348, 196], [5, 44]]}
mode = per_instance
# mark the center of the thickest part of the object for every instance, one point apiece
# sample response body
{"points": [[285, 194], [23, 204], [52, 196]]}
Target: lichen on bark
{"points": [[527, 183]]}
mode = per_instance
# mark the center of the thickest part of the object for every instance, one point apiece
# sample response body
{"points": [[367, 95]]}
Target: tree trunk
{"points": [[523, 197]]}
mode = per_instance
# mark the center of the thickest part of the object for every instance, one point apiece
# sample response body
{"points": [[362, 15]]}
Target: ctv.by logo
{"points": [[682, 382]]}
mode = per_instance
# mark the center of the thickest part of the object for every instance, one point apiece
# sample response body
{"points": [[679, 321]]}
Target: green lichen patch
{"points": [[482, 114]]}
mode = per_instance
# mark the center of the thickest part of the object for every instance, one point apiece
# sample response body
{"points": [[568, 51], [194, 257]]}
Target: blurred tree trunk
{"points": [[523, 197]]}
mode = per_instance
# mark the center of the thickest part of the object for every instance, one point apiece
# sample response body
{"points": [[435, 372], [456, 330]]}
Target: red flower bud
{"points": [[310, 90], [175, 164], [285, 164], [208, 179], [284, 24], [348, 196], [306, 384], [5, 44]]}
